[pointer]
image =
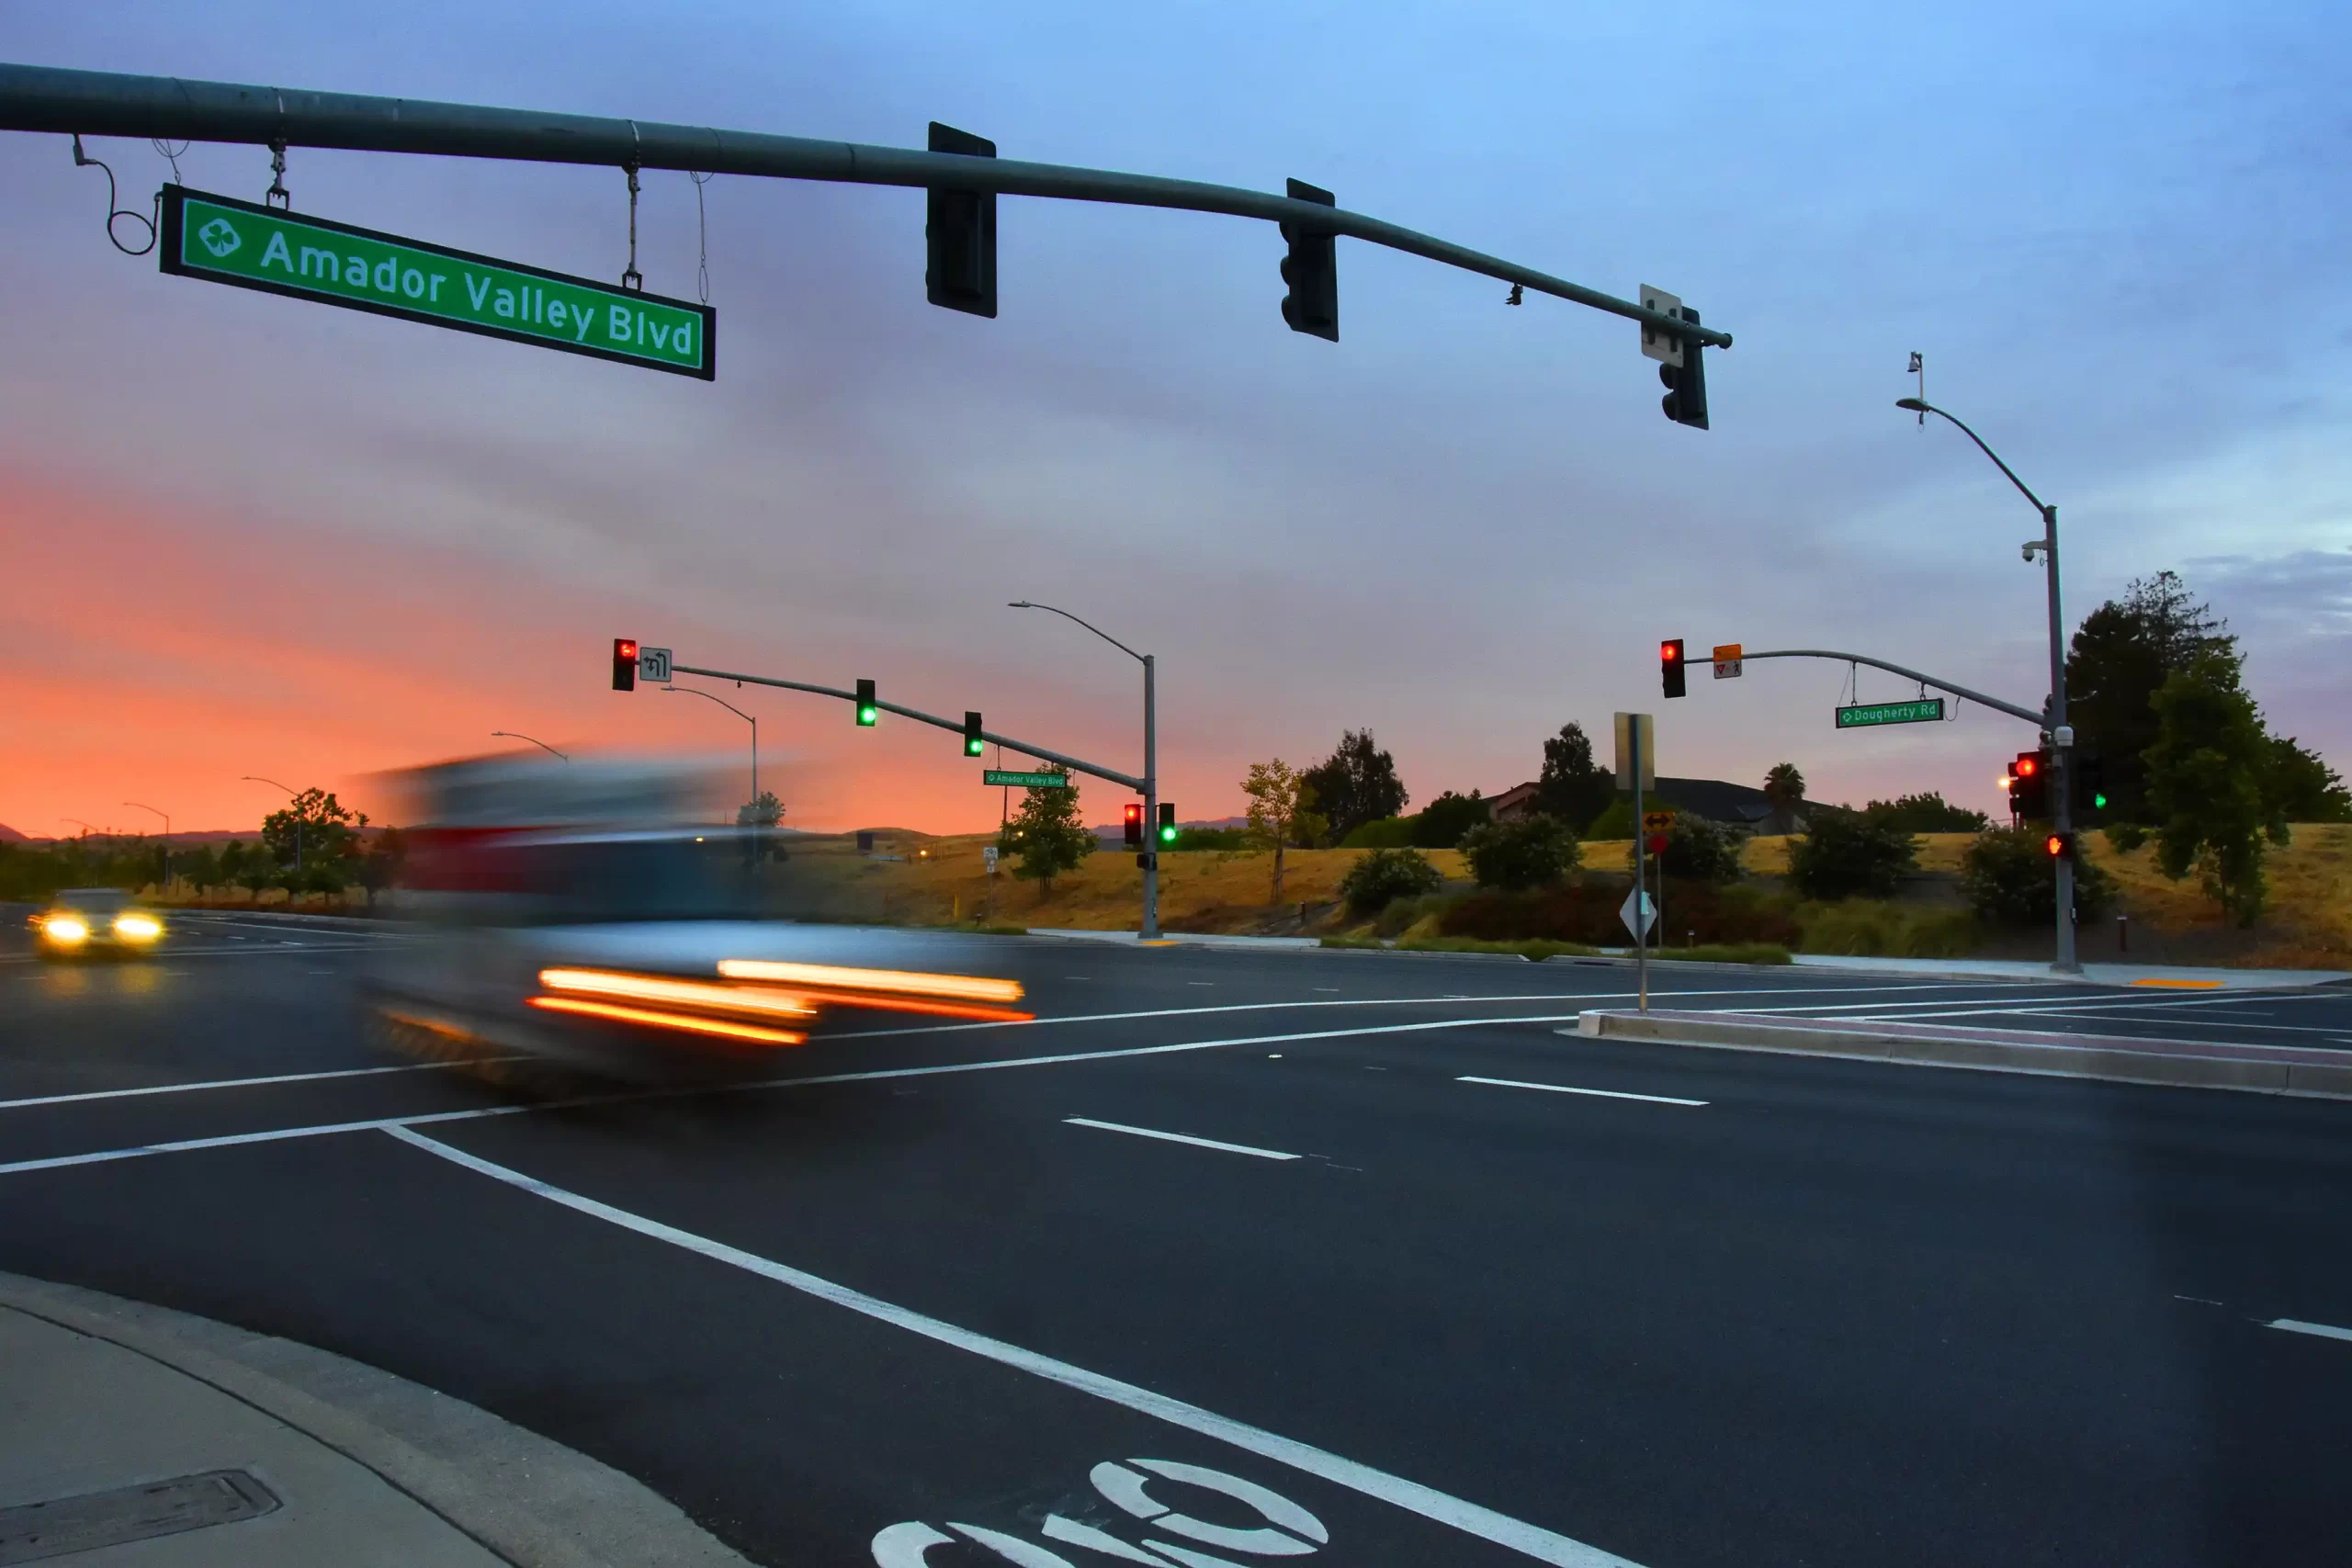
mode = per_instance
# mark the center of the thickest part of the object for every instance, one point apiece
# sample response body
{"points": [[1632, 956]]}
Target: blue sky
{"points": [[2117, 233]]}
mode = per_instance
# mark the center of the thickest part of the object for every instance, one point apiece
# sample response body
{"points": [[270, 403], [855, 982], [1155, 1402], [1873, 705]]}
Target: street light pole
{"points": [[1149, 930], [167, 838], [518, 734], [257, 778], [2060, 733], [739, 713]]}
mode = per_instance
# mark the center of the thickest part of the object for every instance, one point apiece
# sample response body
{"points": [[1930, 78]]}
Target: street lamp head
{"points": [[1020, 605], [1912, 405]]}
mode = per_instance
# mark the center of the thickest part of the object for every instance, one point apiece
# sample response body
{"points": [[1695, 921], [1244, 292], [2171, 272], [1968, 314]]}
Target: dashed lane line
{"points": [[1471, 1519], [1598, 1093], [279, 1135], [1177, 1138], [2296, 1325]]}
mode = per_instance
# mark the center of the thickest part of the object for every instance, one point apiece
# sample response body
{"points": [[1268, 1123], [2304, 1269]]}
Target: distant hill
{"points": [[10, 836]]}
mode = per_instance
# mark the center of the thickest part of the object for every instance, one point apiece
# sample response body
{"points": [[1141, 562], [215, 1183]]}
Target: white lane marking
{"points": [[225, 1083], [1584, 997], [1200, 982], [1600, 1093], [2136, 1018], [1532, 1540], [2115, 1005], [2296, 1325], [274, 1134], [1177, 1138], [631, 1097]]}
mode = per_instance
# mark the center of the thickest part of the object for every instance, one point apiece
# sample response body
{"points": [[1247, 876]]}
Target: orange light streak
{"points": [[961, 988], [677, 1021]]}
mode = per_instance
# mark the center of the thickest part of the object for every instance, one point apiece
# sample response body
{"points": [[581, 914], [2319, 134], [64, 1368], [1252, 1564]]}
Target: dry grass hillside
{"points": [[2308, 923]]}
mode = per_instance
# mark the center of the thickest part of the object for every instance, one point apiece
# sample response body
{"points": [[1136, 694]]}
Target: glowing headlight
{"points": [[64, 928], [138, 927]]}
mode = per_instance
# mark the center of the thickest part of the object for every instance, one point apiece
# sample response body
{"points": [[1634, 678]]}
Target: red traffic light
{"points": [[624, 648], [2028, 765]]}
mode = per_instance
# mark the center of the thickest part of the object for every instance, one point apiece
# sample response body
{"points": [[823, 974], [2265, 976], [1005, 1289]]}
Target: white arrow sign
{"points": [[1637, 906]]}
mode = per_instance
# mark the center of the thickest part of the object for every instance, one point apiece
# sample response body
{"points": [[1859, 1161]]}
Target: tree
{"points": [[2009, 878], [1930, 813], [1282, 811], [1534, 851], [1785, 786], [1356, 783], [1699, 850], [1384, 875], [763, 810], [325, 831], [2119, 657], [1443, 820], [1844, 854], [2210, 783], [1573, 787], [1046, 837], [2305, 788]]}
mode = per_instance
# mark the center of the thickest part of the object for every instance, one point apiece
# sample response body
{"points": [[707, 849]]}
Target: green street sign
{"points": [[1024, 781], [1925, 710], [225, 241]]}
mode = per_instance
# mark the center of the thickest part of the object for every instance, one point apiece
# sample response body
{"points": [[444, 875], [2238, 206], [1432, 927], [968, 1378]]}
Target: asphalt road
{"points": [[963, 1295]]}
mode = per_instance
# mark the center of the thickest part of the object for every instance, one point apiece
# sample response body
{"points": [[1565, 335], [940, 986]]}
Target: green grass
{"points": [[1870, 928]]}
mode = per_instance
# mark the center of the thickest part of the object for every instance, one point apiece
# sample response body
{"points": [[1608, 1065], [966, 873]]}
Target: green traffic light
{"points": [[1168, 835], [866, 716], [2098, 802], [973, 747]]}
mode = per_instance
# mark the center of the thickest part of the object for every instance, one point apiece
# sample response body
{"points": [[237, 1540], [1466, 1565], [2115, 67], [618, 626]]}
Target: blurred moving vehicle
{"points": [[572, 914], [88, 920]]}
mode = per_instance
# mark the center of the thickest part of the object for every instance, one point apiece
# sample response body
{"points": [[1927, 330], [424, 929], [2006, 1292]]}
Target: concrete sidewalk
{"points": [[130, 1435], [2155, 976]]}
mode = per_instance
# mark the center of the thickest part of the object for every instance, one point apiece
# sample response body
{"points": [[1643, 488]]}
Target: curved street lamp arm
{"points": [[257, 778], [518, 734], [1919, 406], [1097, 631], [722, 702]]}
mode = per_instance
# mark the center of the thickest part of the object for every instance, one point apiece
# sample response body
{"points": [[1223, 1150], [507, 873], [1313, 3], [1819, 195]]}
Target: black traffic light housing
{"points": [[1312, 270], [1134, 823], [1686, 385], [1167, 823], [1670, 669], [973, 744], [623, 664], [866, 711], [2030, 786], [2087, 776], [959, 234]]}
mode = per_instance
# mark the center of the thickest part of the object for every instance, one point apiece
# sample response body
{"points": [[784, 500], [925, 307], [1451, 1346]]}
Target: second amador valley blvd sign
{"points": [[231, 242]]}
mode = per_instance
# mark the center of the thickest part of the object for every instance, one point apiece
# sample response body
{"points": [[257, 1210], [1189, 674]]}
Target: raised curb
{"points": [[524, 1498], [2116, 1058]]}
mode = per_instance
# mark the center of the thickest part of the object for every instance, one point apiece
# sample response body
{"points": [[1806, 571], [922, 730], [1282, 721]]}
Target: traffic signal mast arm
{"points": [[2028, 715], [100, 103], [953, 725]]}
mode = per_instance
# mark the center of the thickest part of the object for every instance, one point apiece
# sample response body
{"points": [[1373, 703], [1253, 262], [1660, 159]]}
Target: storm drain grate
{"points": [[31, 1531]]}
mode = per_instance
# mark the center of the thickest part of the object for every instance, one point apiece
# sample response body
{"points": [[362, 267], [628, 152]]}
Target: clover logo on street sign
{"points": [[219, 237]]}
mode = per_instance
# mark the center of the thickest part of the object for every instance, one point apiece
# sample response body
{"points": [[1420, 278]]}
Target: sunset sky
{"points": [[244, 535]]}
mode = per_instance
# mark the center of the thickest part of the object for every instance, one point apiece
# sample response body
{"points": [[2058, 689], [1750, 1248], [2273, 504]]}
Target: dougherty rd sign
{"points": [[1923, 710], [236, 242]]}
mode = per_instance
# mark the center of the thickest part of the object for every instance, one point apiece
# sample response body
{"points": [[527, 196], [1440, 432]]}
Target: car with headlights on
{"points": [[95, 919]]}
